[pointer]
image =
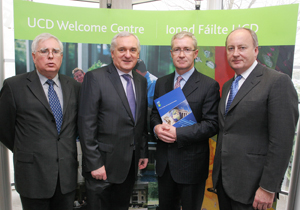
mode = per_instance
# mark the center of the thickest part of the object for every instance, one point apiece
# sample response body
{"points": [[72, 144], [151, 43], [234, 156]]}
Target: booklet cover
{"points": [[174, 109]]}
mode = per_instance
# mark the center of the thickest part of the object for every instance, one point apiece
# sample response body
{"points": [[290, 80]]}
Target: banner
{"points": [[274, 25], [86, 34]]}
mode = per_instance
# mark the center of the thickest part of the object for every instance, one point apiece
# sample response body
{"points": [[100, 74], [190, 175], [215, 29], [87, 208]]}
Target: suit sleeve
{"points": [[144, 142], [282, 120], [207, 126], [90, 99], [7, 116]]}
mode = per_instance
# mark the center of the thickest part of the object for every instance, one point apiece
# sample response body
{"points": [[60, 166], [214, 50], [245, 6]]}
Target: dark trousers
{"points": [[105, 196], [173, 195], [226, 203], [58, 201]]}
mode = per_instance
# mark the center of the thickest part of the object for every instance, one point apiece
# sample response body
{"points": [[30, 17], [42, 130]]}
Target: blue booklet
{"points": [[174, 109]]}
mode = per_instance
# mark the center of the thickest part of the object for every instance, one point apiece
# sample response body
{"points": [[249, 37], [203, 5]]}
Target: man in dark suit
{"points": [[256, 130], [182, 154], [112, 126], [42, 137]]}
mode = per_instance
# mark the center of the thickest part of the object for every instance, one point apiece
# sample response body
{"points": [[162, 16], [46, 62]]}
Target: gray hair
{"points": [[252, 33], [43, 37], [123, 34], [183, 34]]}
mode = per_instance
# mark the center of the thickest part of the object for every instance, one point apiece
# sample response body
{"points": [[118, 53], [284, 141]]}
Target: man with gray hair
{"points": [[112, 126], [182, 154], [38, 112]]}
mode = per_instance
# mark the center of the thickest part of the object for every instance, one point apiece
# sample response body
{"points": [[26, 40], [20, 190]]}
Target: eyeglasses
{"points": [[45, 52], [186, 51]]}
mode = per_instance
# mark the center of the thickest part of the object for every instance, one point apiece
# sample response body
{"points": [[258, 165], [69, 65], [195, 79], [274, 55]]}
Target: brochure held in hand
{"points": [[174, 109]]}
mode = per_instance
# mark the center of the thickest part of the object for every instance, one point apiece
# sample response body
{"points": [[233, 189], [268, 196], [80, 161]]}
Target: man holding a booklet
{"points": [[183, 152]]}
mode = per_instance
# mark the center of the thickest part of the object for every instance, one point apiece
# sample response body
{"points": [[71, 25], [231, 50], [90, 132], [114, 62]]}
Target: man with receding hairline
{"points": [[38, 112], [258, 113]]}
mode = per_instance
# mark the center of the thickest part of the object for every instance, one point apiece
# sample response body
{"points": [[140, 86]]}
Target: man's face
{"points": [[48, 64], [183, 61], [79, 76], [126, 53], [240, 50]]}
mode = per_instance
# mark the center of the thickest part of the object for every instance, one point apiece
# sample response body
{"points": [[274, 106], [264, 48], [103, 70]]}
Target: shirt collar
{"points": [[186, 75], [44, 79], [121, 72], [246, 73]]}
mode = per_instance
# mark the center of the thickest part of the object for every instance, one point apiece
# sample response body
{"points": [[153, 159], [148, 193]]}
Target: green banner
{"points": [[273, 25]]}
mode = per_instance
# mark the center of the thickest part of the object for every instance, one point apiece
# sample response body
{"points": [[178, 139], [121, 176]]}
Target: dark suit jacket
{"points": [[188, 157], [27, 127], [108, 132], [256, 137]]}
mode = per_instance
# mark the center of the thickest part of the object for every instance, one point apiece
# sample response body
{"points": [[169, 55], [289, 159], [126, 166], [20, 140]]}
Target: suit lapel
{"points": [[225, 91], [252, 80], [35, 86], [138, 93], [66, 90], [190, 85], [116, 81], [169, 85]]}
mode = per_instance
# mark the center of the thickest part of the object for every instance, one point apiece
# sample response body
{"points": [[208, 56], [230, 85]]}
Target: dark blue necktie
{"points": [[130, 94], [233, 90], [55, 105]]}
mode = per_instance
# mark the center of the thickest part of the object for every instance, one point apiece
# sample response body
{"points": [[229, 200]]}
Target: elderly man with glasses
{"points": [[38, 112]]}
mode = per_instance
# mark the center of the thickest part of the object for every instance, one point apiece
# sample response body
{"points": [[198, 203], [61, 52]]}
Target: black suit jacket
{"points": [[188, 157], [256, 137], [108, 132], [28, 129]]}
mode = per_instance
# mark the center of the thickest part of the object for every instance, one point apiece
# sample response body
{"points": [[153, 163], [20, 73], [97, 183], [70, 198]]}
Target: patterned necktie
{"points": [[233, 90], [55, 105], [177, 84], [130, 93]]}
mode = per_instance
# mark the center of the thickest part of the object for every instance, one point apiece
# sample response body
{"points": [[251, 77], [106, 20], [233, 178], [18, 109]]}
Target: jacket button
{"points": [[58, 139]]}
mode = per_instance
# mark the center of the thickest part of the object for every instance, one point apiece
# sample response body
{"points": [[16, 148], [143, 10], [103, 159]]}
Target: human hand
{"points": [[143, 163], [165, 132], [263, 199], [100, 173]]}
